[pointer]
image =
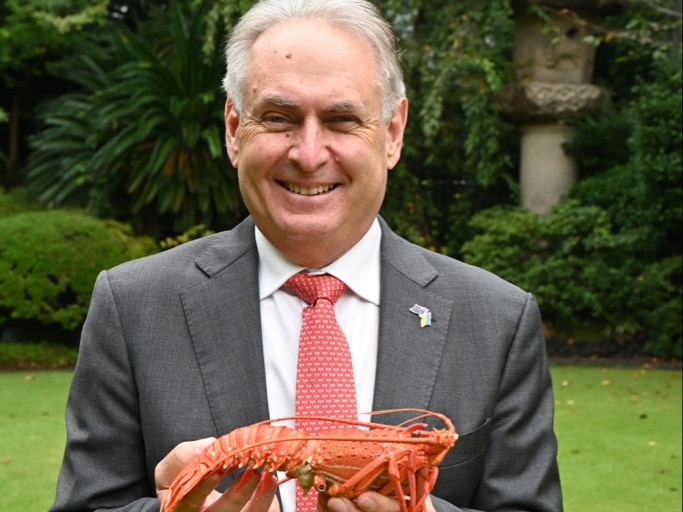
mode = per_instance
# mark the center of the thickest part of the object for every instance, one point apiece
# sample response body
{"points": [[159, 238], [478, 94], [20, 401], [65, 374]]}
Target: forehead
{"points": [[303, 33], [311, 56]]}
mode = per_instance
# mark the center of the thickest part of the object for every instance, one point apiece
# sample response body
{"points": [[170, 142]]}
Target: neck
{"points": [[317, 255]]}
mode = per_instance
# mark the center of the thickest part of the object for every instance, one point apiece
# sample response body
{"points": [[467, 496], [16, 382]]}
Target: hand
{"points": [[249, 493], [367, 502]]}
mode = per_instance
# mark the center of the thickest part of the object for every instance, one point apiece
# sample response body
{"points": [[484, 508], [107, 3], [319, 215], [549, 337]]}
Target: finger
{"points": [[196, 498], [169, 467], [429, 506], [203, 496], [375, 502], [239, 493], [263, 499], [274, 505], [337, 505], [322, 502]]}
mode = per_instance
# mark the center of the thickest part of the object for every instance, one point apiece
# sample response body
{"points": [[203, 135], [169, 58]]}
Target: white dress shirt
{"points": [[357, 312]]}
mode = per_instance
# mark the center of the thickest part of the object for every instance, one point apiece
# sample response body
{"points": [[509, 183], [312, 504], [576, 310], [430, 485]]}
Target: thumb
{"points": [[171, 465]]}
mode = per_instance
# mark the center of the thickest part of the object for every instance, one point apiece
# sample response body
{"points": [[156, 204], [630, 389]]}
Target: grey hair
{"points": [[359, 17]]}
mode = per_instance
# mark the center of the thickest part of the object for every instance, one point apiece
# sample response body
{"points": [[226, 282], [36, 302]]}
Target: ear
{"points": [[395, 129], [232, 124]]}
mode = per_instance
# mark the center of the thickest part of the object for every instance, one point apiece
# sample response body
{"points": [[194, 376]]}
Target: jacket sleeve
{"points": [[104, 463], [521, 472], [518, 455]]}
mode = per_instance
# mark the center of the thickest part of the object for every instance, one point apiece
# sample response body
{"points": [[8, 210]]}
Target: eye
{"points": [[345, 119], [276, 121], [343, 122]]}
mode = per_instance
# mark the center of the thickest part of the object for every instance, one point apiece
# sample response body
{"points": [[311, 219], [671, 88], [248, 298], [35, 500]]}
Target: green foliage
{"points": [[567, 259], [457, 156], [143, 142], [193, 233], [15, 201], [38, 30], [659, 305], [138, 138], [35, 37], [49, 261], [645, 29], [32, 356], [606, 263], [588, 281]]}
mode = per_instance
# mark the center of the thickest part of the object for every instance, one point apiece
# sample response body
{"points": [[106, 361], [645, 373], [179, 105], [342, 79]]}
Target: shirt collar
{"points": [[358, 267]]}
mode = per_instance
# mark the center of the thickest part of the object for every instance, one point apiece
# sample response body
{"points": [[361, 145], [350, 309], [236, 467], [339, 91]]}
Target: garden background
{"points": [[111, 148]]}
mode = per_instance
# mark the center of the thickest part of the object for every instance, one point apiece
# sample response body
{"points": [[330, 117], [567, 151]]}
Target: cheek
{"points": [[263, 149], [371, 190]]}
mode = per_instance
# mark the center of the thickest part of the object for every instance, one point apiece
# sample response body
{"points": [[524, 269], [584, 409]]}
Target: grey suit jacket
{"points": [[171, 351]]}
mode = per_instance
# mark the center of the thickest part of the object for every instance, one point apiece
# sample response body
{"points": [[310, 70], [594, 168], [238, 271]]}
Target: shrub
{"points": [[49, 261], [16, 201], [606, 263], [589, 282], [36, 356], [642, 192], [198, 231], [566, 259]]}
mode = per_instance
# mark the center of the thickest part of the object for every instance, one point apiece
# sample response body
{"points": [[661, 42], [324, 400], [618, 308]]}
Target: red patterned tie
{"points": [[324, 376]]}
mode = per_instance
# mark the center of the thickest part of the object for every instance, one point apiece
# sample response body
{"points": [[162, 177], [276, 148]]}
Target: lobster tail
{"points": [[264, 446]]}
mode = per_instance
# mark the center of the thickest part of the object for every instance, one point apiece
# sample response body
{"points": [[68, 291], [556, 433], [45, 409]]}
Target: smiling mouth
{"points": [[312, 191]]}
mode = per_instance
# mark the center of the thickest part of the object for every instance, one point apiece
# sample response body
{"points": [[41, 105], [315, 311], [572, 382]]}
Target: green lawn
{"points": [[619, 432], [620, 439], [31, 437]]}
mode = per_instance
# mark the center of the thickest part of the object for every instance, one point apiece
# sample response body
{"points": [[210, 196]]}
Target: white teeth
{"points": [[309, 191]]}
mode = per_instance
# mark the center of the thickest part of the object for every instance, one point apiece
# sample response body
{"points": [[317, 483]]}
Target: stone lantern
{"points": [[553, 71]]}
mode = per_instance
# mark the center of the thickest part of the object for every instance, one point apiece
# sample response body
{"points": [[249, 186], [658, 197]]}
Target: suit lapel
{"points": [[408, 354], [224, 321]]}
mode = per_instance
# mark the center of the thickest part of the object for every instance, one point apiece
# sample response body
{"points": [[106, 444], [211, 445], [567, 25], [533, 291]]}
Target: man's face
{"points": [[311, 148]]}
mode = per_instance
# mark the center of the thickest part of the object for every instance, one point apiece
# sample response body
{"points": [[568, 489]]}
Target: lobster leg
{"points": [[412, 496], [388, 465], [396, 485]]}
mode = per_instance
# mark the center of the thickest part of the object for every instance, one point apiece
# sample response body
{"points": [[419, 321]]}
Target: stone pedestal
{"points": [[546, 170], [544, 112], [553, 70]]}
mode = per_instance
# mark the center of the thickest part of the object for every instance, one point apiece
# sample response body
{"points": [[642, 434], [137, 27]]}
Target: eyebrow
{"points": [[342, 106], [280, 101], [273, 100]]}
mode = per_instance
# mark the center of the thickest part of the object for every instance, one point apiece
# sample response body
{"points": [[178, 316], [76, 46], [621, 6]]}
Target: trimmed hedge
{"points": [[49, 261], [589, 282]]}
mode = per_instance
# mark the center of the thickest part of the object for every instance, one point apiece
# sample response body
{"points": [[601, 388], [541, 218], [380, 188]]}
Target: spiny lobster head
{"points": [[436, 443]]}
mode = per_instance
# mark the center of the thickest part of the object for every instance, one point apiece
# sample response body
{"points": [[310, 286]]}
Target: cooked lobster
{"points": [[399, 461]]}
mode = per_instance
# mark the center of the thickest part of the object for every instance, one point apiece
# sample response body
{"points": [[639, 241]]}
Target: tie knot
{"points": [[311, 287]]}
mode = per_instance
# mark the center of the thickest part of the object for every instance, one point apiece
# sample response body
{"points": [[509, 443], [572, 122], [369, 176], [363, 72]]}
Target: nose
{"points": [[309, 150]]}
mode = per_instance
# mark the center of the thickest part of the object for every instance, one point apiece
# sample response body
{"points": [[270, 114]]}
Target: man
{"points": [[187, 345]]}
